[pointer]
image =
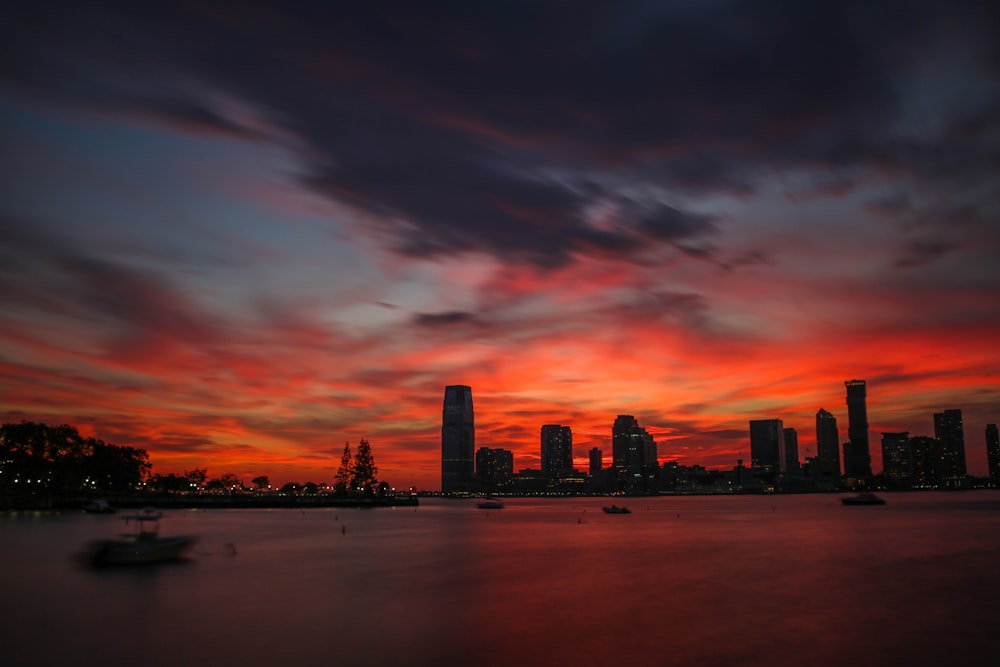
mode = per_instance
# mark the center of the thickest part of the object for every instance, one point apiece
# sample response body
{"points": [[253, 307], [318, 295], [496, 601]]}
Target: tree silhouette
{"points": [[228, 483], [342, 481], [364, 478], [43, 459], [197, 477], [261, 482]]}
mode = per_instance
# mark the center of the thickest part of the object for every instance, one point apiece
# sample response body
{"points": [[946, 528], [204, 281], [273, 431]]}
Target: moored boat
{"points": [[863, 499], [615, 509], [99, 506], [490, 504], [142, 547]]}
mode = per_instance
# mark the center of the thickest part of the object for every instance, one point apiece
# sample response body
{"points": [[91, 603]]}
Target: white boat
{"points": [[142, 547], [615, 509]]}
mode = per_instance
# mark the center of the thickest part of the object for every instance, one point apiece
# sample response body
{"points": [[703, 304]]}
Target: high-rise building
{"points": [[596, 462], [857, 454], [951, 441], [632, 450], [650, 455], [494, 469], [458, 440], [923, 450], [767, 446], [791, 451], [557, 451], [993, 452], [897, 460], [827, 446]]}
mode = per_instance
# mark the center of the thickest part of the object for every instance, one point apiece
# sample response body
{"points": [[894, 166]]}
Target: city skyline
{"points": [[238, 239]]}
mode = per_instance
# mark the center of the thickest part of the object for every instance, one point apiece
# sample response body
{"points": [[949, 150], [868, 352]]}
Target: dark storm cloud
{"points": [[447, 319], [670, 224], [469, 126], [923, 251]]}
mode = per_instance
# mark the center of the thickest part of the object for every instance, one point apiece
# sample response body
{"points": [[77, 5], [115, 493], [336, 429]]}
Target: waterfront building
{"points": [[993, 452], [458, 440], [633, 450], [923, 450], [557, 451], [791, 451], [596, 462], [767, 446], [949, 433], [494, 469], [827, 446], [897, 460], [857, 454]]}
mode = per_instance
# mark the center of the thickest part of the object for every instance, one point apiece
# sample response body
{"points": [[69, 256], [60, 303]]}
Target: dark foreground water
{"points": [[792, 580]]}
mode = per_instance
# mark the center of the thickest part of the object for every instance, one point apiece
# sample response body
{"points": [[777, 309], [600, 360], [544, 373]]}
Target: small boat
{"points": [[614, 509], [99, 506], [490, 504], [863, 499], [143, 547]]}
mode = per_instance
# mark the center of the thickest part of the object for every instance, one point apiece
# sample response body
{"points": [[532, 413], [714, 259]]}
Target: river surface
{"points": [[711, 580]]}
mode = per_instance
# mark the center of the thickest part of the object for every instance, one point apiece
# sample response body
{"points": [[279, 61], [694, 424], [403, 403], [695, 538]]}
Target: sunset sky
{"points": [[240, 235]]}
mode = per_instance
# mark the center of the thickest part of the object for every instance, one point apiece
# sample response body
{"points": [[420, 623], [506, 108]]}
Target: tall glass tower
{"points": [[458, 440], [857, 454]]}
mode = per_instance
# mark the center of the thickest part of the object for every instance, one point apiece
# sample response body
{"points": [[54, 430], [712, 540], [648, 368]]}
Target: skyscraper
{"points": [[631, 447], [827, 445], [993, 452], [857, 454], [923, 450], [949, 433], [596, 461], [897, 460], [557, 450], [767, 446], [458, 440], [791, 458]]}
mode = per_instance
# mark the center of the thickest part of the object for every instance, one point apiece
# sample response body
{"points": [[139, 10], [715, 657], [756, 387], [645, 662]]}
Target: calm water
{"points": [[794, 580]]}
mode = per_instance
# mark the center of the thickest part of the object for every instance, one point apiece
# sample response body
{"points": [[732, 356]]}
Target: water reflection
{"points": [[736, 580]]}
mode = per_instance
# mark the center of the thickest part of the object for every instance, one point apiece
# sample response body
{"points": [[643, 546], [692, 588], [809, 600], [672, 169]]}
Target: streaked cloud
{"points": [[244, 236]]}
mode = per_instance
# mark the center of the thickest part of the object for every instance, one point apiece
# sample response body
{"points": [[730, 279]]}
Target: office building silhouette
{"points": [[897, 461], [993, 452], [949, 433], [596, 461], [857, 454], [767, 446], [632, 450], [827, 446], [557, 450], [494, 469], [791, 458], [458, 440]]}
